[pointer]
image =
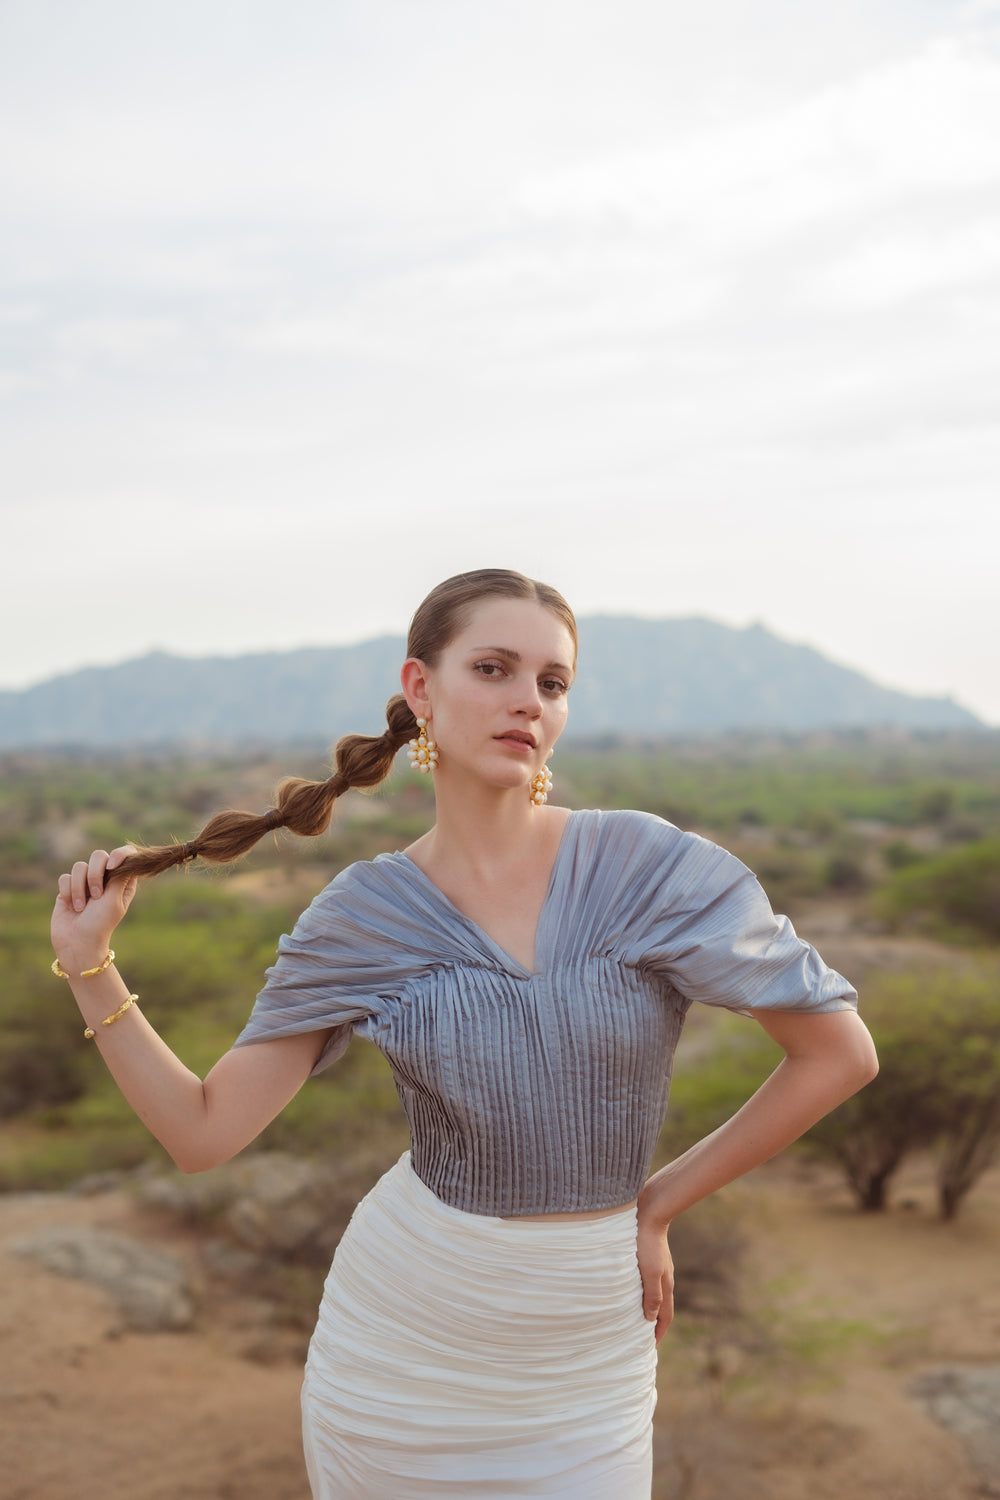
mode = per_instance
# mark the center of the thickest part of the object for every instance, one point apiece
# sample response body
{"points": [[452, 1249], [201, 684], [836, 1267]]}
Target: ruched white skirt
{"points": [[458, 1355]]}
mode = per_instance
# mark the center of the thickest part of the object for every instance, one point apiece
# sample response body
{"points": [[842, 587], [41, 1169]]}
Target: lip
{"points": [[517, 738]]}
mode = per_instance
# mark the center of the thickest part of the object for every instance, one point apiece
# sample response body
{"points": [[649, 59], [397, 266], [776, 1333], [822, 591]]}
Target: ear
{"points": [[414, 682]]}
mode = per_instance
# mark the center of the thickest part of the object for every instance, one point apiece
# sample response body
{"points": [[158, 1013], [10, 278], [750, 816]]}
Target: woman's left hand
{"points": [[656, 1267]]}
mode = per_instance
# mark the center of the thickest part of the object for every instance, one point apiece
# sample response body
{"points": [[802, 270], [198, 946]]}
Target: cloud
{"points": [[125, 339], [901, 266], [658, 299], [923, 124], [502, 309]]}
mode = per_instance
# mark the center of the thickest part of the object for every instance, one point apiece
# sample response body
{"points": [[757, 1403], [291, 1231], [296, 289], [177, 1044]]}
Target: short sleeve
{"points": [[706, 929], [328, 974]]}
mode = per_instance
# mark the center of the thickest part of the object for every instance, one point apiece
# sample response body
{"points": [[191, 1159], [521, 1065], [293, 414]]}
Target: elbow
{"points": [[189, 1163], [869, 1056], [851, 1063], [200, 1145], [196, 1157], [863, 1064]]}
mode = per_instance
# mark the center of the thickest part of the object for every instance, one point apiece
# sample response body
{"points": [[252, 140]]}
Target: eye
{"points": [[491, 670], [554, 686]]}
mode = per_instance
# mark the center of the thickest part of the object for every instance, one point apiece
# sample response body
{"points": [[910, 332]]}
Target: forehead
{"points": [[521, 625]]}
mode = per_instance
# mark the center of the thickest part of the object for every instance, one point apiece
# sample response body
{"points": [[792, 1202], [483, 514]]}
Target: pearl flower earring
{"points": [[541, 786], [422, 751]]}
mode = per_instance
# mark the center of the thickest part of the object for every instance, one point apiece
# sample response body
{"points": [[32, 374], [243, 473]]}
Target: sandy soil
{"points": [[854, 1308], [808, 1395]]}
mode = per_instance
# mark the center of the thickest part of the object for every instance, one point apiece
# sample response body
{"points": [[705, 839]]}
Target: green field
{"points": [[900, 834]]}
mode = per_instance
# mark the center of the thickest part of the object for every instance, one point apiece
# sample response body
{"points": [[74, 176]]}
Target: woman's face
{"points": [[496, 700]]}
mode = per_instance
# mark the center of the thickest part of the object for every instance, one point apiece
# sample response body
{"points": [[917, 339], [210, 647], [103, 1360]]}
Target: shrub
{"points": [[900, 853], [938, 1038], [956, 895]]}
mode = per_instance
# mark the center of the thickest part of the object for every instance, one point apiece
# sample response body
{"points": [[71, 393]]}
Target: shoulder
{"points": [[648, 843], [366, 879], [608, 828], [625, 869], [360, 900]]}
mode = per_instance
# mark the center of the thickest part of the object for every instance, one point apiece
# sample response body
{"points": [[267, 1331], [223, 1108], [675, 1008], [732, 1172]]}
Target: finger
{"points": [[117, 855], [78, 879], [64, 888], [652, 1297], [96, 866], [665, 1316]]}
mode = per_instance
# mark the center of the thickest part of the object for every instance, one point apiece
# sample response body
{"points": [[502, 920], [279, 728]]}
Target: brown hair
{"points": [[305, 807]]}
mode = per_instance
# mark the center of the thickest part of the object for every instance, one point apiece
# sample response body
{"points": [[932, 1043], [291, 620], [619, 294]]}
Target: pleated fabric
{"points": [[459, 1355], [543, 1091]]}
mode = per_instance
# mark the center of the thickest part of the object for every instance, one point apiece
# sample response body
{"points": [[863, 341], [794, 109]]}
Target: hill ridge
{"points": [[639, 676]]}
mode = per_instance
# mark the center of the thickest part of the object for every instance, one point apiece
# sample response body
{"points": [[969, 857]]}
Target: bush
{"points": [[789, 875], [938, 1038], [956, 895], [899, 854]]}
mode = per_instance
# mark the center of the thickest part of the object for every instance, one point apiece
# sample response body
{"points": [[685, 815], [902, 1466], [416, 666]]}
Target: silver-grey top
{"points": [[542, 1092]]}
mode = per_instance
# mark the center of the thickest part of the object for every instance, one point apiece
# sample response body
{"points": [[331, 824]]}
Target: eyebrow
{"points": [[512, 655]]}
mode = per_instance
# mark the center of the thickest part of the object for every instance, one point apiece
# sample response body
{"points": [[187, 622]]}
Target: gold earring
{"points": [[541, 786], [423, 752]]}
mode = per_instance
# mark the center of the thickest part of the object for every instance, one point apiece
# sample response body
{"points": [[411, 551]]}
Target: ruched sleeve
{"points": [[329, 972], [702, 925]]}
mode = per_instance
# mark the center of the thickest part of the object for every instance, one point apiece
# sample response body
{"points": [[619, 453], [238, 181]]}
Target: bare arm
{"points": [[828, 1057], [199, 1123]]}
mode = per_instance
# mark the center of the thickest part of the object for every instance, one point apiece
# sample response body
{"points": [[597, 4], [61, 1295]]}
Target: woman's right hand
{"points": [[87, 912]]}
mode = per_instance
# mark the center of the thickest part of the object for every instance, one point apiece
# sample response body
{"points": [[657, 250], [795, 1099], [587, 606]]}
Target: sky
{"points": [[686, 309]]}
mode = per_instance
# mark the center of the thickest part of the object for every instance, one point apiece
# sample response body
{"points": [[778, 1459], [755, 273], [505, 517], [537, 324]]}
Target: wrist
{"points": [[653, 1206], [658, 1202], [82, 961]]}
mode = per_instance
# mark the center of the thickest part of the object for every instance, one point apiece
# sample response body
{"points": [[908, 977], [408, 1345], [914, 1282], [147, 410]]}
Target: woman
{"points": [[489, 1323]]}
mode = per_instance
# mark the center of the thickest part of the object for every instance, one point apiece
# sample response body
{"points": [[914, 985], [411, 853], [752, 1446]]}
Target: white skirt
{"points": [[458, 1355]]}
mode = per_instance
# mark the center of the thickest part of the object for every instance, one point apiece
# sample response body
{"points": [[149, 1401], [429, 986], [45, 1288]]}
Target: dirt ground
{"points": [[808, 1396], [854, 1307]]}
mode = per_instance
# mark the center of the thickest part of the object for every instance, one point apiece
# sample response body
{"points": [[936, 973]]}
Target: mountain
{"points": [[691, 676], [637, 677]]}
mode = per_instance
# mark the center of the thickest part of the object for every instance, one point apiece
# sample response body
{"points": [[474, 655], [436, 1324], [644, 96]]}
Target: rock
{"points": [[282, 1204], [149, 1287], [195, 1196], [270, 1202], [966, 1400], [229, 1259]]}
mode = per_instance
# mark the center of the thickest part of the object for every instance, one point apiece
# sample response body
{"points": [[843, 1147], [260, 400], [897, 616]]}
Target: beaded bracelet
{"points": [[110, 1020], [106, 963]]}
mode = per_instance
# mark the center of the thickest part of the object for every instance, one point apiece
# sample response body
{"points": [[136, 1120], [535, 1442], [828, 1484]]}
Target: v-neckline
{"points": [[508, 958]]}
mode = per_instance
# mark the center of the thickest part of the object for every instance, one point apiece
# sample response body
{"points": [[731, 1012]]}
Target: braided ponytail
{"points": [[303, 807]]}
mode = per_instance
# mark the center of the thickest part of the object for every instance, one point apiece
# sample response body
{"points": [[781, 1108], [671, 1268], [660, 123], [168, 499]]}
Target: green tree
{"points": [[969, 1086], [938, 1038]]}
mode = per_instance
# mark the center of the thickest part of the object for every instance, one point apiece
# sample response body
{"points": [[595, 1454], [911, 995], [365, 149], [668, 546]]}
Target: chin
{"points": [[510, 782]]}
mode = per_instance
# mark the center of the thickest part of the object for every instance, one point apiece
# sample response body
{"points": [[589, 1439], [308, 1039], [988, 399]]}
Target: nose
{"points": [[528, 698]]}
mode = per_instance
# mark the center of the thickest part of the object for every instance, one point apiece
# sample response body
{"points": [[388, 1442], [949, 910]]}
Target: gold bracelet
{"points": [[110, 1020], [106, 963]]}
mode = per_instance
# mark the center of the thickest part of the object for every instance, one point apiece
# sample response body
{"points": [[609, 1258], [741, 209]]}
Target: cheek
{"points": [[459, 712], [557, 722]]}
